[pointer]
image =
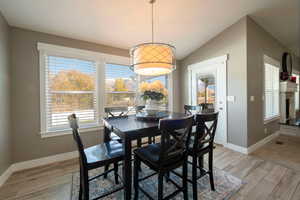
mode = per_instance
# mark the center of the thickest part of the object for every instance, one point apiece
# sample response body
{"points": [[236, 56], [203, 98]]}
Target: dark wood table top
{"points": [[130, 126]]}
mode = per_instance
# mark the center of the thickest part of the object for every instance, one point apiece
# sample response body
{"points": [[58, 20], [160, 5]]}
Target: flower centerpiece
{"points": [[153, 93]]}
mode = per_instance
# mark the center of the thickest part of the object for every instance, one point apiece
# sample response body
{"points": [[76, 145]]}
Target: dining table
{"points": [[130, 128]]}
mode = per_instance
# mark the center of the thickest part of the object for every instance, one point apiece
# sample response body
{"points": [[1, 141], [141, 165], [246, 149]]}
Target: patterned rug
{"points": [[226, 185]]}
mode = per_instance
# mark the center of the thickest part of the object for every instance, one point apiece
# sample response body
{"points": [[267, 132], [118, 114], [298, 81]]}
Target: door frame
{"points": [[221, 61]]}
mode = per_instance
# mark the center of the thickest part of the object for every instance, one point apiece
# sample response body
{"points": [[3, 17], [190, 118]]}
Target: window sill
{"points": [[69, 132], [267, 121]]}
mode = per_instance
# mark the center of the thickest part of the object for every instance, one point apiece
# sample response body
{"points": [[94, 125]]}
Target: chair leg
{"points": [[200, 161], [139, 144], [167, 176], [137, 164], [85, 184], [116, 169], [106, 169], [210, 166], [184, 180], [80, 186], [160, 185], [194, 178]]}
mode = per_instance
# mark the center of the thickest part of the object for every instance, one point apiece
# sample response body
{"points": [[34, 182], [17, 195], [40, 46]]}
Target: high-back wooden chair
{"points": [[170, 154], [95, 157], [189, 109], [203, 143], [116, 111]]}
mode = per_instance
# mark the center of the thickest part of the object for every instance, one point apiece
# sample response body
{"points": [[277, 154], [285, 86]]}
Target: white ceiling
{"points": [[186, 24]]}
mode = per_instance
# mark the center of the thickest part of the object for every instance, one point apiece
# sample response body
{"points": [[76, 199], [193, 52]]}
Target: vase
{"points": [[152, 106]]}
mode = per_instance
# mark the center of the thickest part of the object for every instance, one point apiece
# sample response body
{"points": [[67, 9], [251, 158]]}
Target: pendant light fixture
{"points": [[153, 59]]}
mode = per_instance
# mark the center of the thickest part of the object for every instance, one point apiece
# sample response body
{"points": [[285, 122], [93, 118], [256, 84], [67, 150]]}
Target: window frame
{"points": [[275, 63], [100, 59]]}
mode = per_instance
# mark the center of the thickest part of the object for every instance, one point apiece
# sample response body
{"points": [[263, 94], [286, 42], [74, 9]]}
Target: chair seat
{"points": [[150, 155], [105, 153]]}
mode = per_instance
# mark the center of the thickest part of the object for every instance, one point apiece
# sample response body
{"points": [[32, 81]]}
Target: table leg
{"points": [[106, 139], [127, 171]]}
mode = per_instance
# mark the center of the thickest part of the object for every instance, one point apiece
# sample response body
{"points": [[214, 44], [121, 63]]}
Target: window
{"points": [[120, 86], [84, 82], [71, 81], [69, 87], [297, 93], [271, 72], [206, 90], [165, 80]]}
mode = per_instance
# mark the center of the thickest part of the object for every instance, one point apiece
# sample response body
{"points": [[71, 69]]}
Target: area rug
{"points": [[226, 185]]}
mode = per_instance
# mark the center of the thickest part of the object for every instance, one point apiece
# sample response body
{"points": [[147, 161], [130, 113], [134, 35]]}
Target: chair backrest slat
{"points": [[73, 121], [206, 126], [175, 137], [188, 109], [116, 111]]}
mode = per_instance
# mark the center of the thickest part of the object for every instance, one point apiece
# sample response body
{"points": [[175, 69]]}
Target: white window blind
{"points": [[271, 91], [120, 86], [70, 87]]}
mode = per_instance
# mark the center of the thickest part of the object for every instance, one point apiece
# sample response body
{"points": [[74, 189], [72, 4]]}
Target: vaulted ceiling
{"points": [[186, 24]]}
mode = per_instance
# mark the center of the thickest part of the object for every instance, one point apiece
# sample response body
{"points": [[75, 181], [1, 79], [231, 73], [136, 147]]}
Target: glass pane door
{"points": [[206, 91]]}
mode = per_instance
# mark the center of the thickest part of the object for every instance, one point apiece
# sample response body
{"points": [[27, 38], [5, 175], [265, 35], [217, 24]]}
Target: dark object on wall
{"points": [[287, 66], [284, 76]]}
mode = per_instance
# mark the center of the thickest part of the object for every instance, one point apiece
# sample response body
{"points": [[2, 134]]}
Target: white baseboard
{"points": [[262, 142], [36, 163], [6, 175], [237, 148], [44, 161], [253, 147]]}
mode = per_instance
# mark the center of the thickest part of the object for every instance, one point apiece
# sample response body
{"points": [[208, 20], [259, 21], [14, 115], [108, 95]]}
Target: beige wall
{"points": [[177, 88], [27, 143], [231, 41], [245, 42], [5, 134], [260, 42]]}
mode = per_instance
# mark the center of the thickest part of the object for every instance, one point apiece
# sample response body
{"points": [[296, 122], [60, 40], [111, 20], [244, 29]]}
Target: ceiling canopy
{"points": [[185, 24]]}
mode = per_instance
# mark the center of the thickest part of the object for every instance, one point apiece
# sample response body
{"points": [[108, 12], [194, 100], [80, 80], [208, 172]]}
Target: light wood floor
{"points": [[272, 172]]}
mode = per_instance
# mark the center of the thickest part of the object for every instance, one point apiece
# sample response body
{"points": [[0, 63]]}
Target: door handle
{"points": [[220, 108]]}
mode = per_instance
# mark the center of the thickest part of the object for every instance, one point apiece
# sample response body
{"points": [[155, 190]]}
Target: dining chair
{"points": [[95, 157], [116, 112], [207, 107], [119, 112], [189, 109], [169, 154], [203, 143], [150, 139]]}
